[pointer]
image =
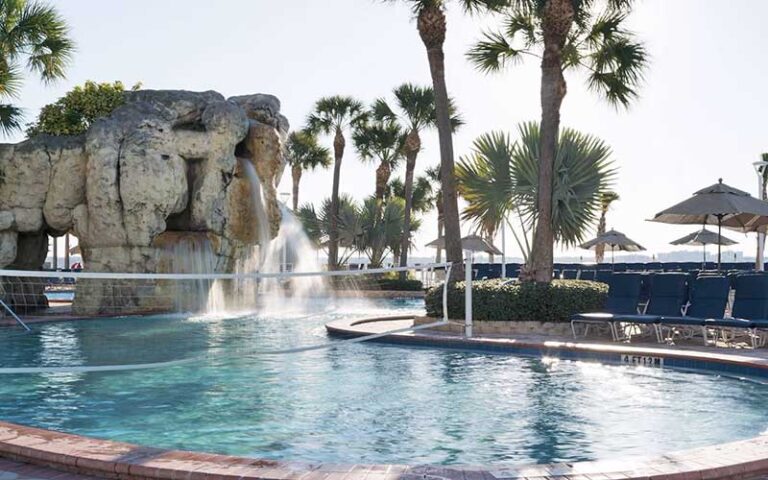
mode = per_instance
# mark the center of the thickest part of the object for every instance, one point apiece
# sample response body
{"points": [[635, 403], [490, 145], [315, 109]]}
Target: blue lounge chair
{"points": [[749, 313], [709, 297], [623, 295], [668, 294], [603, 276], [587, 274], [569, 274]]}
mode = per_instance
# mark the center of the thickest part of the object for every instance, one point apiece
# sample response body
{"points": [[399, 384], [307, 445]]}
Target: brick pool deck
{"points": [[31, 453]]}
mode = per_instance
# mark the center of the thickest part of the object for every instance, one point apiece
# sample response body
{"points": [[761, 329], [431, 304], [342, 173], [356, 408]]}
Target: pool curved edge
{"points": [[110, 459]]}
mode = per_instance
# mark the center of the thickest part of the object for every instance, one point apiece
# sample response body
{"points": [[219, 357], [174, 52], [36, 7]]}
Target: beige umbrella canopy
{"points": [[703, 237], [720, 205], [614, 240], [473, 243]]}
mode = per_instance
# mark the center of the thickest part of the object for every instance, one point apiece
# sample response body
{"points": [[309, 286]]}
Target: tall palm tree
{"points": [[304, 153], [500, 179], [33, 36], [606, 199], [416, 112], [564, 34], [332, 116], [382, 141], [431, 24]]}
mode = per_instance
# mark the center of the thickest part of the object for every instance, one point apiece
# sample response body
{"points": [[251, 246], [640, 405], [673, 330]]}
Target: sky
{"points": [[701, 114]]}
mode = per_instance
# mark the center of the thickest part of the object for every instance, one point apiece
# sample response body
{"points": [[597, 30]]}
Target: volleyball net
{"points": [[284, 310]]}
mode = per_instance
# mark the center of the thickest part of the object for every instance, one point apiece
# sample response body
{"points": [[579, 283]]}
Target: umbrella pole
{"points": [[719, 229]]}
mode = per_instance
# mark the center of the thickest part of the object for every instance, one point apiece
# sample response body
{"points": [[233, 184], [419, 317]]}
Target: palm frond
{"points": [[380, 141], [335, 112], [493, 53], [583, 173], [484, 181], [42, 33], [303, 150], [10, 119]]}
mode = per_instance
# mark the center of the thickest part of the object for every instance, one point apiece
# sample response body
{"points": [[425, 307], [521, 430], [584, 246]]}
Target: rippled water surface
{"points": [[359, 403]]}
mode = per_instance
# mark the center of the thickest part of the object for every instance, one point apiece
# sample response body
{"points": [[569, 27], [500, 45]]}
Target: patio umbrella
{"points": [[703, 237], [615, 240], [720, 205], [473, 243]]}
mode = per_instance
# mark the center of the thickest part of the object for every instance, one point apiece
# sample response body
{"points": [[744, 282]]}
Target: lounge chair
{"points": [[668, 294], [749, 314], [587, 275], [709, 296], [569, 274], [623, 295]]}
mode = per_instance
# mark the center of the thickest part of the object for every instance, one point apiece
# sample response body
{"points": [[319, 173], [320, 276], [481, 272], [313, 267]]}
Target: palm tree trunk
{"points": [[296, 176], [432, 26], [333, 231], [412, 147], [440, 227], [383, 172], [556, 23], [600, 248]]}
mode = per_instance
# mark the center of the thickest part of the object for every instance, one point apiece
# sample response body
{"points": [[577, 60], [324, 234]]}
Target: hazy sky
{"points": [[701, 115]]}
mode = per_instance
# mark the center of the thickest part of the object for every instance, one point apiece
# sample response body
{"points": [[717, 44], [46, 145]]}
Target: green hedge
{"points": [[491, 300]]}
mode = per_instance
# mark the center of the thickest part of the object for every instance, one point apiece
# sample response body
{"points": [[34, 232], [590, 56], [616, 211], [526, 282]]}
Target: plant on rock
{"points": [[73, 113]]}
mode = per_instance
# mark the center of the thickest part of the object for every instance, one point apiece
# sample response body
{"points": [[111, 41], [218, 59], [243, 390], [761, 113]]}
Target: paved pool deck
{"points": [[31, 453]]}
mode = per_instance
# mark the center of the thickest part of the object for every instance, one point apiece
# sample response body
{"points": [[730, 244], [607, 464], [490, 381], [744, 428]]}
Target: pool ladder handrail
{"points": [[16, 317]]}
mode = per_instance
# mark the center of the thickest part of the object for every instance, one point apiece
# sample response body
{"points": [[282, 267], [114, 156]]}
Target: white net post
{"points": [[468, 295]]}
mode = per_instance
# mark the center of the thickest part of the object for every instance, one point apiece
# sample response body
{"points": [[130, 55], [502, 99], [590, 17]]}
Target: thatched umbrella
{"points": [[720, 205], [703, 238], [614, 240]]}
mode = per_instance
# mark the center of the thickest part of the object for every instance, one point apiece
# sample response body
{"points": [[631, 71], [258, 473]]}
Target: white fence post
{"points": [[468, 295]]}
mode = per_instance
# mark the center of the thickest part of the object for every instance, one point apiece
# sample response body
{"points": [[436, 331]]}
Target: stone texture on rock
{"points": [[66, 186], [163, 162]]}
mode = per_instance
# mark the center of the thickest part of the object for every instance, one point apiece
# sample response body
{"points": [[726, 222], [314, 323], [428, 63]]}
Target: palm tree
{"points": [[332, 116], [304, 153], [422, 197], [382, 141], [416, 112], [606, 199], [34, 34], [317, 224], [431, 24], [500, 179], [564, 34], [382, 231], [484, 180], [433, 176]]}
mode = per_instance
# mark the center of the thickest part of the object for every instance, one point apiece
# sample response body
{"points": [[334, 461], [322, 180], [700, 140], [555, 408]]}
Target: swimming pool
{"points": [[359, 403]]}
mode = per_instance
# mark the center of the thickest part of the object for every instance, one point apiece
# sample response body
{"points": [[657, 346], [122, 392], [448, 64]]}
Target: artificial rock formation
{"points": [[162, 166]]}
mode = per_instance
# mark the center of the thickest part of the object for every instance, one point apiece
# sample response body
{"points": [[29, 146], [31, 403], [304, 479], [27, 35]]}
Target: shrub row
{"points": [[491, 300]]}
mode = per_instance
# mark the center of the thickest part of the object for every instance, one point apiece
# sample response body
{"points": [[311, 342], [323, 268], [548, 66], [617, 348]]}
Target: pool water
{"points": [[359, 403]]}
